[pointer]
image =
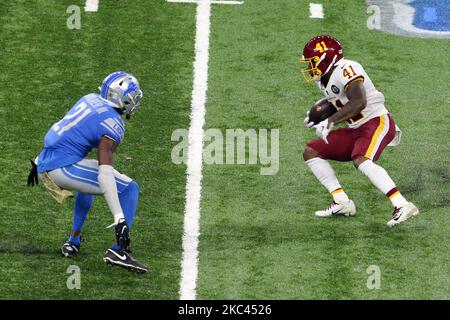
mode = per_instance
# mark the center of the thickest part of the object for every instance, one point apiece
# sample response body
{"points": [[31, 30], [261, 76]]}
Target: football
{"points": [[321, 110]]}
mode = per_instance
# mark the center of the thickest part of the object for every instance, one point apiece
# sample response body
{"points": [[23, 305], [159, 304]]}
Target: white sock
{"points": [[325, 174], [381, 179], [118, 218], [339, 196], [398, 200]]}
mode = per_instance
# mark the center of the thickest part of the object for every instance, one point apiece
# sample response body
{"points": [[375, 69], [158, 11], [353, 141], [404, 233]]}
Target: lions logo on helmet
{"points": [[123, 91]]}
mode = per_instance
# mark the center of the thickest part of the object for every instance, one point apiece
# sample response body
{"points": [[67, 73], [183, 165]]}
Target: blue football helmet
{"points": [[123, 91]]}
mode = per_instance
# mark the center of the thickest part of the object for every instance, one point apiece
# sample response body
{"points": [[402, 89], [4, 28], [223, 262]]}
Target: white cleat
{"points": [[347, 209], [401, 214]]}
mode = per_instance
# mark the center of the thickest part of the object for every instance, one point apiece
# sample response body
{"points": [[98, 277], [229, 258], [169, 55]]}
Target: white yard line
{"points": [[189, 268], [91, 6], [191, 232], [316, 10], [211, 1]]}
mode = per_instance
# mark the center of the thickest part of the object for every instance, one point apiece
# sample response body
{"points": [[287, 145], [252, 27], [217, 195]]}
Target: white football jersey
{"points": [[347, 71]]}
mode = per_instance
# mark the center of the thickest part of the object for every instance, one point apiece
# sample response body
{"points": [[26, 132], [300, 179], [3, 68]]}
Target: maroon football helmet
{"points": [[320, 54]]}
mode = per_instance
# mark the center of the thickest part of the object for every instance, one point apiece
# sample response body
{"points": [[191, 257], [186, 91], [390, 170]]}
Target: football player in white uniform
{"points": [[370, 128]]}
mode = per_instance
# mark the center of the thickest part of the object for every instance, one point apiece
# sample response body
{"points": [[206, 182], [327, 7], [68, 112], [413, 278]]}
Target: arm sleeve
{"points": [[111, 126], [350, 73], [108, 187]]}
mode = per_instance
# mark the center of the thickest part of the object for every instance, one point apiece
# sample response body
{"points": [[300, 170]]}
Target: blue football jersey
{"points": [[73, 137]]}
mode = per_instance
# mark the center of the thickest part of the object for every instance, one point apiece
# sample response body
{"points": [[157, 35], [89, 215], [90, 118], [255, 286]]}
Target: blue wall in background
{"points": [[432, 15]]}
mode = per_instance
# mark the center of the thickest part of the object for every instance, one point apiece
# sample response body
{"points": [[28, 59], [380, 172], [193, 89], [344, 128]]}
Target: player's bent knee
{"points": [[309, 153], [359, 160], [134, 187]]}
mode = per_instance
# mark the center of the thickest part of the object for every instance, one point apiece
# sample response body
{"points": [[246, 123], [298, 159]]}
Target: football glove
{"points": [[323, 129], [308, 123], [33, 175]]}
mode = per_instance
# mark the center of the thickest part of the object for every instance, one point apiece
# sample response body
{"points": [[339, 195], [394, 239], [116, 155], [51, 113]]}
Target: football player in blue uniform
{"points": [[95, 122]]}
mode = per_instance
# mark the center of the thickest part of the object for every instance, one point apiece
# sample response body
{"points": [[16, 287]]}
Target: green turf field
{"points": [[259, 238]]}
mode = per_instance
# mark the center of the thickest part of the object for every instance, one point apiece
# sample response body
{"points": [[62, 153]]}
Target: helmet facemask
{"points": [[310, 72], [124, 93], [320, 54], [131, 102]]}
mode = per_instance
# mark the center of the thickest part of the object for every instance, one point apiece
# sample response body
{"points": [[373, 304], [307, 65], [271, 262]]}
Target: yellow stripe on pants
{"points": [[375, 137]]}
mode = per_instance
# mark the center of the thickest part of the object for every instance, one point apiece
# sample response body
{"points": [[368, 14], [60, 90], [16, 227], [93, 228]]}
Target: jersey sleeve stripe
{"points": [[112, 130], [115, 121], [358, 78], [121, 125], [111, 138]]}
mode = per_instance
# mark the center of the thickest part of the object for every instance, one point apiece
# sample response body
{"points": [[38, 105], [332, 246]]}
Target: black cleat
{"points": [[122, 258], [70, 249], [123, 236]]}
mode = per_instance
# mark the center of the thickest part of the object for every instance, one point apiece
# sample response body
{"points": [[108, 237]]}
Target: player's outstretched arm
{"points": [[356, 94], [106, 177]]}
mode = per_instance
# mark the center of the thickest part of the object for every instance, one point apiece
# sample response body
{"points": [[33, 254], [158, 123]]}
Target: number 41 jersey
{"points": [[73, 137], [348, 71]]}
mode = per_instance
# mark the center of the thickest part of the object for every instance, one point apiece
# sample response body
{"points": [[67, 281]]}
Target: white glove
{"points": [[308, 123], [322, 130]]}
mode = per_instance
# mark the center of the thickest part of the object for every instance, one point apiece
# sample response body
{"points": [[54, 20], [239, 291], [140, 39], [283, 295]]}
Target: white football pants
{"points": [[83, 177]]}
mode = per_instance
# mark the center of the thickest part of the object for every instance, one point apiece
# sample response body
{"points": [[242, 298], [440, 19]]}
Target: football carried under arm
{"points": [[357, 101], [321, 110], [106, 177]]}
